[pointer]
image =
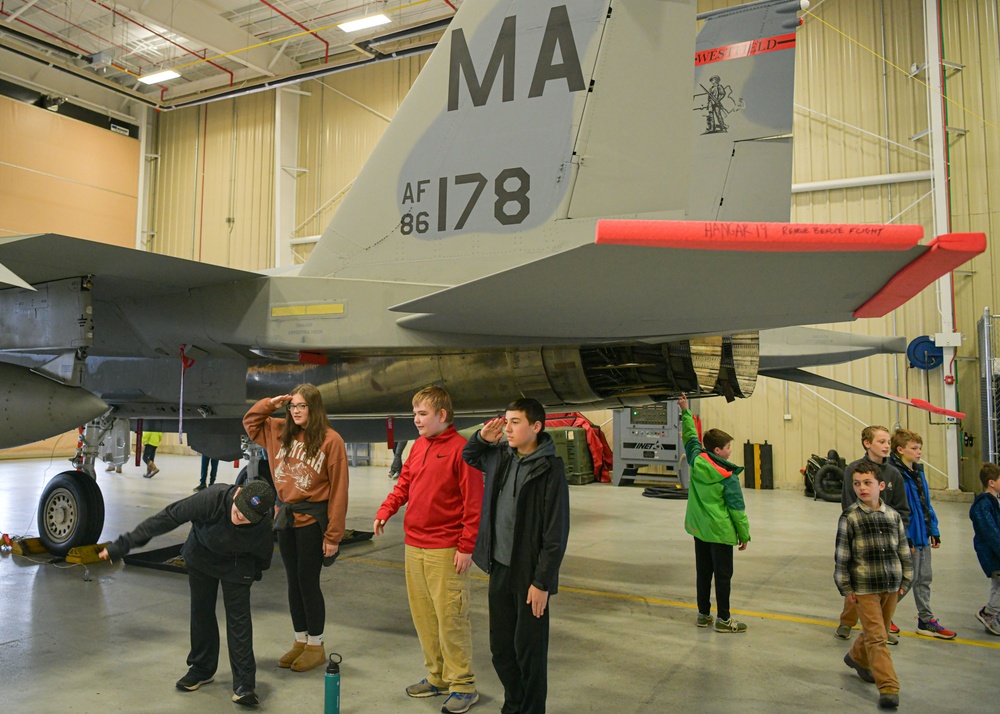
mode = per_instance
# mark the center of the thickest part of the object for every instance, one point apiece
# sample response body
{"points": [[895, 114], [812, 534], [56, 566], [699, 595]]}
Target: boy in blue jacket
{"points": [[716, 517], [985, 515], [922, 530]]}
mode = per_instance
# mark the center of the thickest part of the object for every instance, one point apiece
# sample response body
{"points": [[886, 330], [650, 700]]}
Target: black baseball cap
{"points": [[255, 500]]}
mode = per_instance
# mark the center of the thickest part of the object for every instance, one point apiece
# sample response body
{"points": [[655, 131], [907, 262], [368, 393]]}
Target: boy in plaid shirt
{"points": [[873, 569]]}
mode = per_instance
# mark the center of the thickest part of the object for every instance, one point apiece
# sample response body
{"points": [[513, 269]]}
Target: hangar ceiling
{"points": [[213, 45]]}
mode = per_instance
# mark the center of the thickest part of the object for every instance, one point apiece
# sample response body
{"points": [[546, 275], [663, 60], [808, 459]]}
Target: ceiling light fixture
{"points": [[364, 23], [159, 76]]}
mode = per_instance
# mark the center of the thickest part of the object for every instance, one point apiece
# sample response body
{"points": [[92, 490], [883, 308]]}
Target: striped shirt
{"points": [[872, 554]]}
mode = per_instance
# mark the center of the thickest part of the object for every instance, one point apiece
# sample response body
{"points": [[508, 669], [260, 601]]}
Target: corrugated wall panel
{"points": [[214, 183], [336, 134]]}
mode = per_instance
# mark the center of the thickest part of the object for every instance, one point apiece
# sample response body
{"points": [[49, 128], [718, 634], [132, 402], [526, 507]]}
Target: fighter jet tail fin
{"points": [[741, 134]]}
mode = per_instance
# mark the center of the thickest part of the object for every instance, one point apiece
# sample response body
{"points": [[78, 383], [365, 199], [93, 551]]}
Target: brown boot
{"points": [[291, 655], [313, 656]]}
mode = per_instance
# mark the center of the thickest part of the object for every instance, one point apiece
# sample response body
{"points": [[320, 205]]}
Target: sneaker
{"points": [[199, 487], [990, 622], [704, 620], [933, 628], [111, 467], [730, 625], [893, 628], [191, 681], [888, 700], [118, 469], [246, 696], [458, 702], [891, 639], [865, 674], [843, 632], [423, 688], [152, 472]]}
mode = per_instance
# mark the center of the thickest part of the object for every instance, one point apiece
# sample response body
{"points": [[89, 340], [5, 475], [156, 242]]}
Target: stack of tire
{"points": [[824, 477]]}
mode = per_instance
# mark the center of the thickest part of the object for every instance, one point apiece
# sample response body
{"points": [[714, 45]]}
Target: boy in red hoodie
{"points": [[444, 497]]}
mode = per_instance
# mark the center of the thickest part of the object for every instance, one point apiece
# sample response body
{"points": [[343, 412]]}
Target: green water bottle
{"points": [[332, 702]]}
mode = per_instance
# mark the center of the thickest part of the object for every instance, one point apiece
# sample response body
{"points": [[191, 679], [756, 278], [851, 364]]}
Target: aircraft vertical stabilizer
{"points": [[527, 112], [744, 77]]}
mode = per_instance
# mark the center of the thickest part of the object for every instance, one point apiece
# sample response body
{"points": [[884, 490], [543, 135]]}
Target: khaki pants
{"points": [[439, 605], [870, 649]]}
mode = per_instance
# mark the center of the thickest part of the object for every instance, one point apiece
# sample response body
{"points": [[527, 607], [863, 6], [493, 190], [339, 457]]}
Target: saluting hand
{"points": [[276, 402], [493, 429], [683, 402]]}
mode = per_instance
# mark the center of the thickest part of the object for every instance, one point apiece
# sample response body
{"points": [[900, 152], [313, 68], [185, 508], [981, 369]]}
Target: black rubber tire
{"points": [[70, 512], [97, 514], [828, 483], [263, 471]]}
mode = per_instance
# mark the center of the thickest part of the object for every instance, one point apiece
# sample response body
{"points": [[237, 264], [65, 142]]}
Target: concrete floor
{"points": [[114, 638]]}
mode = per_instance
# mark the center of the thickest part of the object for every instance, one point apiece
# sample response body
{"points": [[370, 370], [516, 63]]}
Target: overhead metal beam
{"points": [[197, 22]]}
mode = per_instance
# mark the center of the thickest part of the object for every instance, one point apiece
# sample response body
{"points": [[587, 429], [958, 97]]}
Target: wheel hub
{"points": [[61, 515]]}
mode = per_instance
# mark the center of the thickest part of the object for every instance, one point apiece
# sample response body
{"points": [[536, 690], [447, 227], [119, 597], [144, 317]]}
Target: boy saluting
{"points": [[873, 569]]}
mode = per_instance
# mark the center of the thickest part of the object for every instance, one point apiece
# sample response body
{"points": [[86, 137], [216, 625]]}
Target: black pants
{"points": [[205, 461], [713, 559], [148, 453], [519, 642], [204, 655], [302, 553]]}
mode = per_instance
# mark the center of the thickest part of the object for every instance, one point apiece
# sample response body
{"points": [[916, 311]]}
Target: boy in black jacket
{"points": [[230, 542], [521, 542]]}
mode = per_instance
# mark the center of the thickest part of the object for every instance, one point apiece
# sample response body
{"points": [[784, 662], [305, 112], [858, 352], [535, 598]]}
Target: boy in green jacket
{"points": [[715, 516]]}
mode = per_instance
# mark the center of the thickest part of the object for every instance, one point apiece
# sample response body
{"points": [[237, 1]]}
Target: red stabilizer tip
{"points": [[946, 252], [313, 358], [751, 236], [935, 409]]}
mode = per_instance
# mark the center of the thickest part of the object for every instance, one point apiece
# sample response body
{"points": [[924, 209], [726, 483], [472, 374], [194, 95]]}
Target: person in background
{"points": [[877, 445], [985, 515], [229, 544], [205, 463], [308, 462], [443, 497], [716, 518], [872, 570], [150, 442], [521, 543]]}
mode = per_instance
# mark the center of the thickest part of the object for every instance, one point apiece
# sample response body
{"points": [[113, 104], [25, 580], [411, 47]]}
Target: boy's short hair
{"points": [[868, 434], [715, 439], [989, 472], [902, 437], [866, 467], [532, 408], [437, 398]]}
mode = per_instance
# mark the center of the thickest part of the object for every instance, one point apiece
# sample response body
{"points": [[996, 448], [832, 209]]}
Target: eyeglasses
{"points": [[297, 407]]}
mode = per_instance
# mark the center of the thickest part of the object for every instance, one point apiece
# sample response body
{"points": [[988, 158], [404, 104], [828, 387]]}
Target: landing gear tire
{"points": [[70, 512], [263, 472], [828, 483]]}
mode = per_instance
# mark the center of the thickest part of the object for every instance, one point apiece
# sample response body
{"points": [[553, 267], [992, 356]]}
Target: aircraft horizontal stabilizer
{"points": [[802, 377], [654, 279]]}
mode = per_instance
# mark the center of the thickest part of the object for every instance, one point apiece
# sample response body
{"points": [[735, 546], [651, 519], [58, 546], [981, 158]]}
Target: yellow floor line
{"points": [[690, 606]]}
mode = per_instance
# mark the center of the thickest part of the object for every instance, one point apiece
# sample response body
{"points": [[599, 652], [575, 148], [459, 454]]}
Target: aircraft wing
{"points": [[125, 273], [648, 279]]}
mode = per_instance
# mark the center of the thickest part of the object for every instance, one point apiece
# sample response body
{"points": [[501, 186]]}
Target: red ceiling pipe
{"points": [[175, 44], [450, 5], [326, 57]]}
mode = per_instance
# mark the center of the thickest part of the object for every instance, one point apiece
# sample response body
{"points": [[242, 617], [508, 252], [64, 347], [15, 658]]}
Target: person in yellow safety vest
{"points": [[150, 440]]}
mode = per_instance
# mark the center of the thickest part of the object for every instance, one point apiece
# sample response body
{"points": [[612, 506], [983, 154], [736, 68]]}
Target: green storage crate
{"points": [[572, 448]]}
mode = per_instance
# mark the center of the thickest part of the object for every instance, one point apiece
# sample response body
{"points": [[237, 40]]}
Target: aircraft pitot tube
{"points": [[600, 376]]}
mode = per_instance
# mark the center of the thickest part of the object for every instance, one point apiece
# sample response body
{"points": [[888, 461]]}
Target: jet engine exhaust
{"points": [[605, 376]]}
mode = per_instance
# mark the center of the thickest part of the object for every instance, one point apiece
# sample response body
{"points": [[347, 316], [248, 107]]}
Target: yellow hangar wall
{"points": [[855, 114]]}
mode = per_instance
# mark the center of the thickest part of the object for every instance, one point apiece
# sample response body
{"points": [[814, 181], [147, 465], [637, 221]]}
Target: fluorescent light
{"points": [[159, 77], [364, 23]]}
